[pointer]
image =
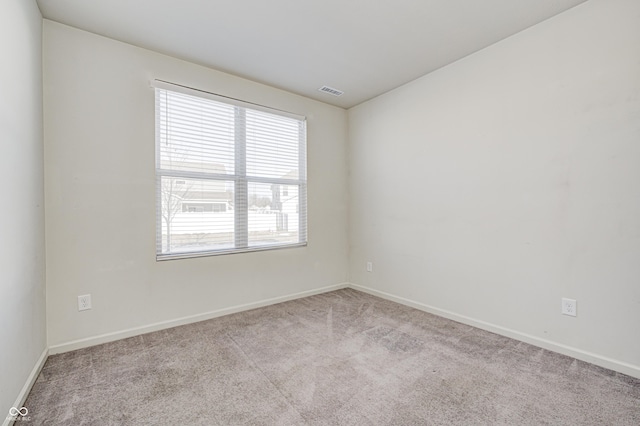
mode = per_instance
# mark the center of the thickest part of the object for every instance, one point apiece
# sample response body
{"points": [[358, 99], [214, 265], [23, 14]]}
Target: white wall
{"points": [[22, 262], [100, 196], [493, 187]]}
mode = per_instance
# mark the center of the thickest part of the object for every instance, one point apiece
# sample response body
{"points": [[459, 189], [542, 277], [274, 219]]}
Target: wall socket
{"points": [[84, 302], [369, 267], [569, 307]]}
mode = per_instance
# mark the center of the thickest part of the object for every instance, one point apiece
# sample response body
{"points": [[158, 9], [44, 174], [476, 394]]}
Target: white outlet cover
{"points": [[369, 266], [84, 302], [569, 307]]}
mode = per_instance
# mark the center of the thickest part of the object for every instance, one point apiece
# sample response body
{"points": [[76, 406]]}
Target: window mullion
{"points": [[241, 202]]}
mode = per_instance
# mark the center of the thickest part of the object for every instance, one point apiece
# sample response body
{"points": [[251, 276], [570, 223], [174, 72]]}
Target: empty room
{"points": [[320, 213]]}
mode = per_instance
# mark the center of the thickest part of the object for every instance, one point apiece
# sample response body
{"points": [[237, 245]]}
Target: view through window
{"points": [[231, 176]]}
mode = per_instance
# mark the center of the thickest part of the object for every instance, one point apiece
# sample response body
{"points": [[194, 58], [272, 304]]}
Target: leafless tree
{"points": [[173, 190], [173, 195]]}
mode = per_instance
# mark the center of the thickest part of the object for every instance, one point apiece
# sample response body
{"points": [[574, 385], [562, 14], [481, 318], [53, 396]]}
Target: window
{"points": [[230, 176]]}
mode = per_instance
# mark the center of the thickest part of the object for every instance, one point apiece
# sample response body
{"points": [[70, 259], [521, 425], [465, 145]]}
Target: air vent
{"points": [[331, 91]]}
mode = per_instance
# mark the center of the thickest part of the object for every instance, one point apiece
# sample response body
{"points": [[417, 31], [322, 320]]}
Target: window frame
{"points": [[240, 178]]}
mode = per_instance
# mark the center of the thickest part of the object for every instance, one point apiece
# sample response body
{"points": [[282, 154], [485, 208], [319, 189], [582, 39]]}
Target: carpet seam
{"points": [[255, 365]]}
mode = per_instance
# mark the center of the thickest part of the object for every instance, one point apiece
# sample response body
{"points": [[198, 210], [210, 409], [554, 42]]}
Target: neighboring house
{"points": [[207, 207], [287, 203], [204, 200], [198, 197]]}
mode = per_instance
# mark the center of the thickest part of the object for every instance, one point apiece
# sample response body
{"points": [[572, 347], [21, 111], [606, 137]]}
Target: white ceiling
{"points": [[363, 47]]}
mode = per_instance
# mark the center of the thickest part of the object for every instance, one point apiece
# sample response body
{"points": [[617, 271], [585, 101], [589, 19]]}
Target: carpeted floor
{"points": [[341, 358]]}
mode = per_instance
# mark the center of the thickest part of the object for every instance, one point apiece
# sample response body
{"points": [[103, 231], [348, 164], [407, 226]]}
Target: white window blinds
{"points": [[230, 176]]}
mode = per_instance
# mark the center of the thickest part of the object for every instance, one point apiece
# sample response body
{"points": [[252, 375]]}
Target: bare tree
{"points": [[173, 195], [173, 190]]}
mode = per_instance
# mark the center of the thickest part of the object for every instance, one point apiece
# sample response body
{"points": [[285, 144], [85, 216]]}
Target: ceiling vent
{"points": [[331, 91]]}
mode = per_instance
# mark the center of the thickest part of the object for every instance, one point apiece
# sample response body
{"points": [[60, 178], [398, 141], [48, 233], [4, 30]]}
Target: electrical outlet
{"points": [[369, 267], [569, 307], [84, 302]]}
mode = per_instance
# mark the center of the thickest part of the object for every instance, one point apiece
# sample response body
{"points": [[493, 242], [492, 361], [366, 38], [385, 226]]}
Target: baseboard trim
{"points": [[33, 376], [123, 334], [602, 361]]}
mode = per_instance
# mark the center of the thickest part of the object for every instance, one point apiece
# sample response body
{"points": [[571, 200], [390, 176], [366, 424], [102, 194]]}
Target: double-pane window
{"points": [[230, 176]]}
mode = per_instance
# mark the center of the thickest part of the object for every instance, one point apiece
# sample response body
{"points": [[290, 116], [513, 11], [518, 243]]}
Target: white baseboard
{"points": [[602, 361], [123, 334], [22, 396]]}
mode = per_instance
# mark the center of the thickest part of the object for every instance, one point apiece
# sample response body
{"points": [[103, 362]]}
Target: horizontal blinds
{"points": [[195, 135], [197, 93], [272, 145], [230, 177]]}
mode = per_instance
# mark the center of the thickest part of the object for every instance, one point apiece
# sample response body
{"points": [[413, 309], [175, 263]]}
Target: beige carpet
{"points": [[341, 358]]}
